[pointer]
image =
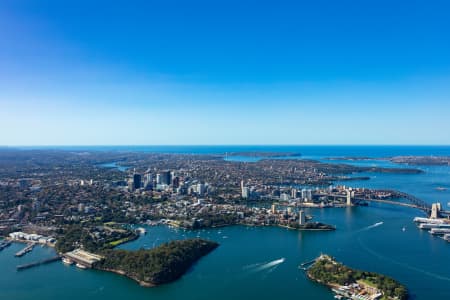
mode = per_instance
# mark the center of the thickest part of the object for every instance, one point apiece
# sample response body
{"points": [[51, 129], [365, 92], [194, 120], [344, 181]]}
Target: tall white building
{"points": [[301, 217], [245, 192]]}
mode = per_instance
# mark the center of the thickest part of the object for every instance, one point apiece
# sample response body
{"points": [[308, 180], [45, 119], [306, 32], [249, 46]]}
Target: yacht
{"points": [[67, 261], [81, 266]]}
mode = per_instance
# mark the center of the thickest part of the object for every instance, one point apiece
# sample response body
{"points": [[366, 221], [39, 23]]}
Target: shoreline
{"points": [[123, 273]]}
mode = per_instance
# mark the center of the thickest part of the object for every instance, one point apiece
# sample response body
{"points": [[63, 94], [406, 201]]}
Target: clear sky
{"points": [[224, 72]]}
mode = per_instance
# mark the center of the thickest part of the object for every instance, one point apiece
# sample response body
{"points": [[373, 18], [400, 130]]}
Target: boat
{"points": [[141, 231], [439, 231], [440, 188], [67, 261], [404, 229], [427, 220], [81, 266], [432, 225]]}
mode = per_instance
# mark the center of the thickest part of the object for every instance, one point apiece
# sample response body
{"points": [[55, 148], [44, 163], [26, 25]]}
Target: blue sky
{"points": [[224, 72]]}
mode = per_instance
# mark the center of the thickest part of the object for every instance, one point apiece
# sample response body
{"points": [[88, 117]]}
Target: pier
{"points": [[305, 265], [4, 245], [38, 263], [25, 250]]}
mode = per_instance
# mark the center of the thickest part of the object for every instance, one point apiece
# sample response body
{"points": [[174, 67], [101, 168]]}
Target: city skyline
{"points": [[224, 73]]}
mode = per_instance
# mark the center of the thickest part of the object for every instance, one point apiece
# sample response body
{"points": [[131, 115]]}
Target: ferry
{"points": [[67, 261], [81, 266], [432, 225], [440, 231], [427, 220]]}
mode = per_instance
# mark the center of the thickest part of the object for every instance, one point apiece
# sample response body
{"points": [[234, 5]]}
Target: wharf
{"points": [[305, 265], [38, 263], [4, 244], [25, 250]]}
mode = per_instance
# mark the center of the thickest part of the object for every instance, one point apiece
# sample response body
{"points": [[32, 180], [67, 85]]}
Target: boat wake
{"points": [[373, 226], [270, 266]]}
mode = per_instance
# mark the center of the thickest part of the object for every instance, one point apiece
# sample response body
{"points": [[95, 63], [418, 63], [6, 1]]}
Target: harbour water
{"points": [[262, 263]]}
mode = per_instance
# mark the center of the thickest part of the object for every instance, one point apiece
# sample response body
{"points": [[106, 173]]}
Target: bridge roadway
{"points": [[415, 202]]}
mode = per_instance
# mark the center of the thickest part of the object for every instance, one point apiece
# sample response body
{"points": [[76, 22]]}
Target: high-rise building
{"points": [[148, 178], [274, 209], [245, 192], [165, 177], [136, 181], [176, 182], [309, 195], [294, 193], [301, 217], [201, 189], [303, 194], [349, 198]]}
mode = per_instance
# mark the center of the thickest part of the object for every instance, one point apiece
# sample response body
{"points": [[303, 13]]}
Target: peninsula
{"points": [[160, 265], [350, 283]]}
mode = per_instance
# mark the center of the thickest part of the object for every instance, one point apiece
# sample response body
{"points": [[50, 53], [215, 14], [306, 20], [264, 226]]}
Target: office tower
{"points": [[136, 181]]}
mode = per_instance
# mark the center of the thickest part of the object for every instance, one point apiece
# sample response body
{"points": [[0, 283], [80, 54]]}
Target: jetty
{"points": [[38, 263], [4, 244], [25, 250], [305, 265]]}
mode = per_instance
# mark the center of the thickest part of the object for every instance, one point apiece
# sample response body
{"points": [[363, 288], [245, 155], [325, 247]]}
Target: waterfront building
{"points": [[294, 193], [301, 217], [435, 210], [349, 198]]}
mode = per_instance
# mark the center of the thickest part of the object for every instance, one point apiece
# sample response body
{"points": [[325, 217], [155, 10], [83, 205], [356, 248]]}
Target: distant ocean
{"points": [[307, 151]]}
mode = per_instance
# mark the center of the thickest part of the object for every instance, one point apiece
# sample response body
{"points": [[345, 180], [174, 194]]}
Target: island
{"points": [[349, 283], [160, 265], [421, 160], [310, 226]]}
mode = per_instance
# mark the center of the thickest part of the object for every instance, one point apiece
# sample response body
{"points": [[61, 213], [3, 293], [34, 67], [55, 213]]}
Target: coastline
{"points": [[123, 273]]}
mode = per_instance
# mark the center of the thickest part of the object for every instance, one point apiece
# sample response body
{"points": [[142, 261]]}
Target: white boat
{"points": [[440, 231], [427, 220], [81, 266], [67, 261], [432, 225], [141, 230]]}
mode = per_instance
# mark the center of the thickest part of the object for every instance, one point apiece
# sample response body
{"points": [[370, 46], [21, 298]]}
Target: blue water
{"points": [[114, 165], [249, 262], [314, 151]]}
